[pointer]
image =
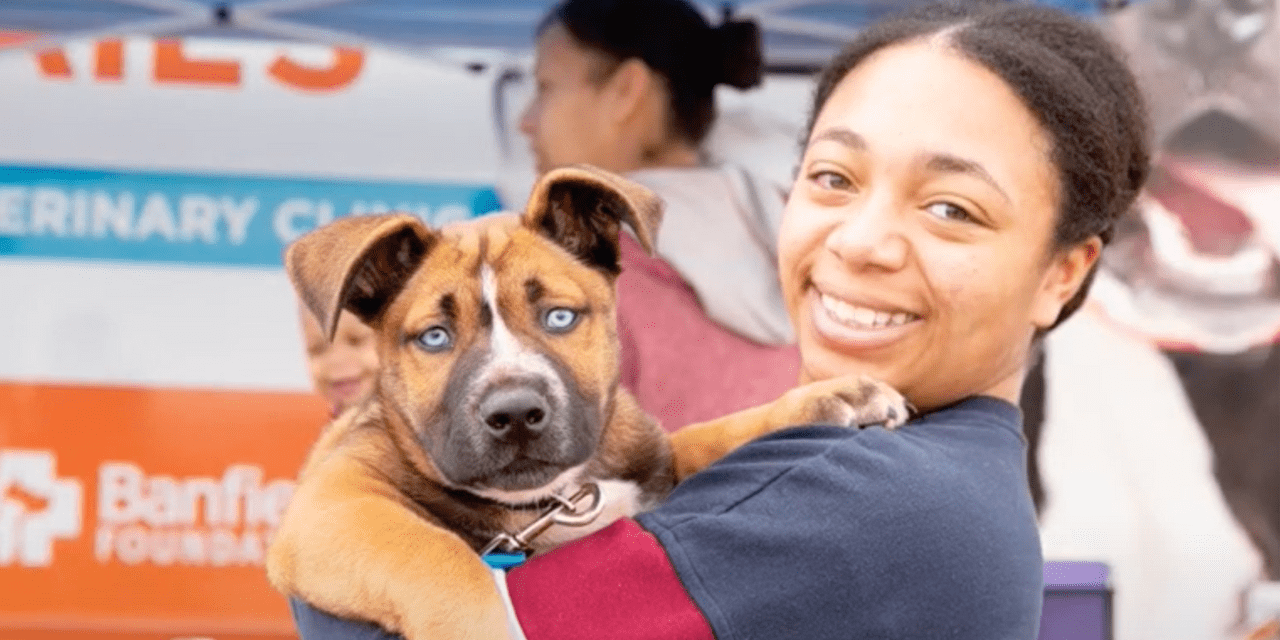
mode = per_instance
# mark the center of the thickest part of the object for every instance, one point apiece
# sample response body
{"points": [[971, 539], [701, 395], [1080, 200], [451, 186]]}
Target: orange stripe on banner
{"points": [[149, 509], [143, 628], [95, 634], [43, 634]]}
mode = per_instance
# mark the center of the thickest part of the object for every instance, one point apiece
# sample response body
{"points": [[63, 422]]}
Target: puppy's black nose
{"points": [[517, 412]]}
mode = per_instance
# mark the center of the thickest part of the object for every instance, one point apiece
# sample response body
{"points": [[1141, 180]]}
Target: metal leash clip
{"points": [[564, 512]]}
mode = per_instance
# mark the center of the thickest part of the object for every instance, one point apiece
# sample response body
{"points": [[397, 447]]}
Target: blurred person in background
{"points": [[629, 86], [343, 371]]}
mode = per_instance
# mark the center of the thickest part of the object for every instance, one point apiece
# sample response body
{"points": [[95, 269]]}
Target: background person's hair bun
{"points": [[738, 58]]}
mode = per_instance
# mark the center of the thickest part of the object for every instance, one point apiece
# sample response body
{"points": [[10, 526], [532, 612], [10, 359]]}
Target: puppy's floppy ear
{"points": [[357, 263], [582, 209]]}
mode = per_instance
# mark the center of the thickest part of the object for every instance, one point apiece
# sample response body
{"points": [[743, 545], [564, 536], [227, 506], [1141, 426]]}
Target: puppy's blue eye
{"points": [[435, 339], [560, 320]]}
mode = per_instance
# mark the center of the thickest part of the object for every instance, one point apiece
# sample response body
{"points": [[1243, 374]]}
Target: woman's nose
{"points": [[527, 119], [870, 237]]}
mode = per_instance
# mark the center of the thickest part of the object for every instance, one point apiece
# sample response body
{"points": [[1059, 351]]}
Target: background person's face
{"points": [[344, 371], [567, 120], [915, 242]]}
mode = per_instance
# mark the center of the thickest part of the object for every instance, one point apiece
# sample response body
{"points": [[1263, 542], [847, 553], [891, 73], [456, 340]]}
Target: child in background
{"points": [[343, 371]]}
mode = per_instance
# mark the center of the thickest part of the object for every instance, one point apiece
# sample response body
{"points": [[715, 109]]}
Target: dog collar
{"points": [[503, 559]]}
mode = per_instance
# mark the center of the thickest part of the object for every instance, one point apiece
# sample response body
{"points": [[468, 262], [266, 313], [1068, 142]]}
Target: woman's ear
{"points": [[1066, 273], [627, 90]]}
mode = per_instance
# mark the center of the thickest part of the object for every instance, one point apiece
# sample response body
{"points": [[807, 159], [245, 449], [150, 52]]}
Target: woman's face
{"points": [[345, 370], [916, 241], [568, 120]]}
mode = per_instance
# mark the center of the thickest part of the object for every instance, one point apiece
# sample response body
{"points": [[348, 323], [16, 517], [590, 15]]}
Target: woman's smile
{"points": [[859, 323]]}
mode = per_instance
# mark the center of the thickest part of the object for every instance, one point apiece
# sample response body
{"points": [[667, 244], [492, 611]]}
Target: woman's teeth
{"points": [[863, 317]]}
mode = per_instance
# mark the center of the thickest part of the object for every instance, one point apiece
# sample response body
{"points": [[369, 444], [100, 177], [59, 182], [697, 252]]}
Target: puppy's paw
{"points": [[851, 401]]}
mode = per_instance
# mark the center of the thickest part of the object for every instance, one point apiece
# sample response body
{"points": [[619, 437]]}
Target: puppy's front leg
{"points": [[852, 401], [349, 545]]}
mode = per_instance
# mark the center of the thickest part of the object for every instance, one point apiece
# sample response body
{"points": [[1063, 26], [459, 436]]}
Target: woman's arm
{"points": [[818, 532]]}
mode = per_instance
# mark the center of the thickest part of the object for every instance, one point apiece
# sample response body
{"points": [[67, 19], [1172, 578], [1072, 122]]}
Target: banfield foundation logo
{"points": [[142, 518], [36, 507], [195, 521]]}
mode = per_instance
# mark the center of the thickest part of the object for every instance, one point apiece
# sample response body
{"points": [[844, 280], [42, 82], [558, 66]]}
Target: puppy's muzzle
{"points": [[515, 414]]}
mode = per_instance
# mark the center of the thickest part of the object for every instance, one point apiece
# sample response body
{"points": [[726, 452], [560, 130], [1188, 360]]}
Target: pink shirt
{"points": [[682, 366]]}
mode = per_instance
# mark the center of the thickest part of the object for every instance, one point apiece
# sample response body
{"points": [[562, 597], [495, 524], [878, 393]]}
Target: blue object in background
{"points": [[1077, 601]]}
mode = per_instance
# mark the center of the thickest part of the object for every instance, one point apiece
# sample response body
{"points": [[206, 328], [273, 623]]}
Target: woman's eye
{"points": [[948, 211], [560, 319], [830, 180], [435, 339]]}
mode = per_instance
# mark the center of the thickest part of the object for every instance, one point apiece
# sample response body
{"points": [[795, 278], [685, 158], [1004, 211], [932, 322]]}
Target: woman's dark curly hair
{"points": [[1075, 82]]}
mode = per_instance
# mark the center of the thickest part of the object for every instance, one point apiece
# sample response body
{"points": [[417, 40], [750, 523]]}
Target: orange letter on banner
{"points": [[53, 63], [110, 54], [14, 37], [346, 66], [172, 65]]}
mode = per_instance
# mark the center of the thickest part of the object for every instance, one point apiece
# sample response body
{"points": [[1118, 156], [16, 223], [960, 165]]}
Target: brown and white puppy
{"points": [[498, 390]]}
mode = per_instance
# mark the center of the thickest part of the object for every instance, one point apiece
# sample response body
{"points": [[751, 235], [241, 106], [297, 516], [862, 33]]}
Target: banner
{"points": [[144, 512]]}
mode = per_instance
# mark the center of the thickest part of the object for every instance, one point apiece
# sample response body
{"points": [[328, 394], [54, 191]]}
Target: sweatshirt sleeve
{"points": [[616, 583], [816, 533], [880, 535]]}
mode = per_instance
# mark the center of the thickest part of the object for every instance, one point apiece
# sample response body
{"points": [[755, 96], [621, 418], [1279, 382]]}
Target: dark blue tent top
{"points": [[798, 33]]}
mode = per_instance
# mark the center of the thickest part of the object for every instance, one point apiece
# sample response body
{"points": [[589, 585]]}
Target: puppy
{"points": [[498, 395]]}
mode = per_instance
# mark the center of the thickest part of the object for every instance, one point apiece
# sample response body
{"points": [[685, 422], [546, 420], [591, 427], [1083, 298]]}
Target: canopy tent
{"points": [[798, 34]]}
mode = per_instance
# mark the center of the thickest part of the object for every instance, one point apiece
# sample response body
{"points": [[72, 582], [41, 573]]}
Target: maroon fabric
{"points": [[682, 366], [616, 583]]}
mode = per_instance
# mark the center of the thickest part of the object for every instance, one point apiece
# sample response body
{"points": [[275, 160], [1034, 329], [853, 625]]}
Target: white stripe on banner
{"points": [[149, 325]]}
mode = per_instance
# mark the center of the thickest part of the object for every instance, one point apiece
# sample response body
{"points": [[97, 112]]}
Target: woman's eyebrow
{"points": [[841, 135], [937, 162], [947, 163]]}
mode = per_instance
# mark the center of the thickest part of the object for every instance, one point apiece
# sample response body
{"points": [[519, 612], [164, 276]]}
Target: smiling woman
{"points": [[917, 238], [963, 168], [961, 176]]}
